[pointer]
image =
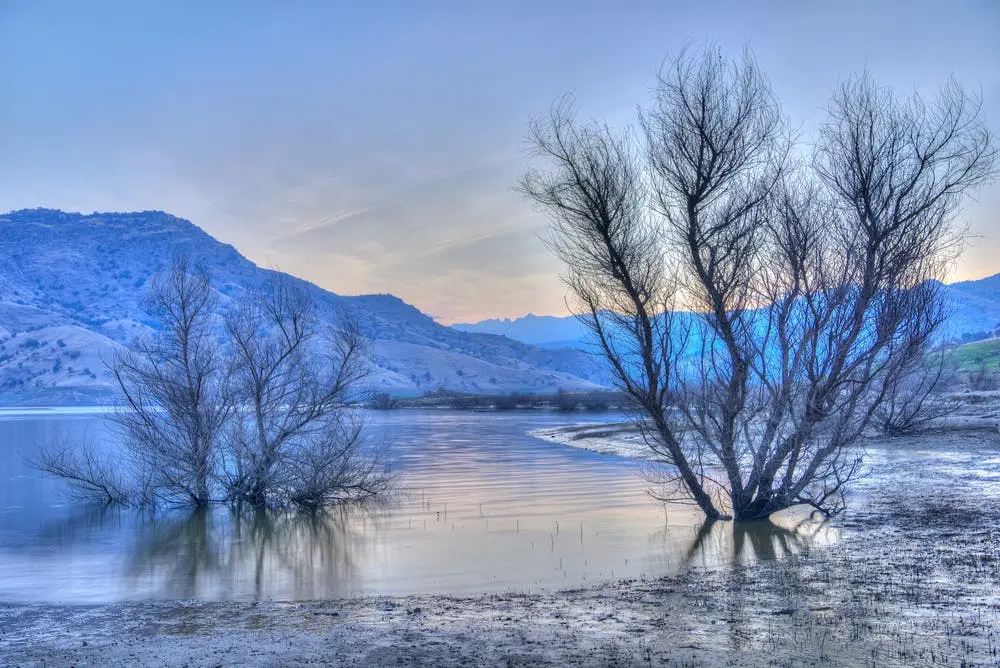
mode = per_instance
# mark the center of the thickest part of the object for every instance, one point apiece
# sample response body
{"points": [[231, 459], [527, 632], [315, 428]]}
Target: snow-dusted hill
{"points": [[71, 286]]}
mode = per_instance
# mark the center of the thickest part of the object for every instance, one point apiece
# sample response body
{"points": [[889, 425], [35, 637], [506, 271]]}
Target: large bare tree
{"points": [[757, 304]]}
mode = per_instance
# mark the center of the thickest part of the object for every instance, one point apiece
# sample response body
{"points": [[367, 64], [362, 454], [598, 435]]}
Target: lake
{"points": [[481, 506]]}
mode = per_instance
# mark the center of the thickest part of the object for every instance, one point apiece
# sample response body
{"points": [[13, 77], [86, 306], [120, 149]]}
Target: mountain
{"points": [[71, 287], [538, 330], [973, 307]]}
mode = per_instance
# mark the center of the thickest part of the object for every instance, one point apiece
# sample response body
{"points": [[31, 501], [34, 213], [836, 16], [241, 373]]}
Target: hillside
{"points": [[71, 287], [974, 309]]}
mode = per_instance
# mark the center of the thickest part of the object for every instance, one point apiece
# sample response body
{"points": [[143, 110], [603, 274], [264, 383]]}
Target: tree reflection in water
{"points": [[714, 543], [255, 553], [224, 553], [233, 553]]}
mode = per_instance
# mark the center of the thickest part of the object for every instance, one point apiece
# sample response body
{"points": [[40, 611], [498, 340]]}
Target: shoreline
{"points": [[912, 581], [971, 412], [621, 439], [830, 606]]}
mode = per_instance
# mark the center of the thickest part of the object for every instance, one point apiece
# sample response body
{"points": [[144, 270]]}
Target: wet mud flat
{"points": [[915, 580]]}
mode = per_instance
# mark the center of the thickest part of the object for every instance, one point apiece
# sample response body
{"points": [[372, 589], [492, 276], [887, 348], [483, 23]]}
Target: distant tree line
{"points": [[561, 400], [970, 337]]}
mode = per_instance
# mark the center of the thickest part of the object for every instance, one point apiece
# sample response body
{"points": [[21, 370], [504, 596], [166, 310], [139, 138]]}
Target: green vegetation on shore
{"points": [[978, 355]]}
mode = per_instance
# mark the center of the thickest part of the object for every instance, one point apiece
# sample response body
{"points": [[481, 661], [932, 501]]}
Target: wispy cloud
{"points": [[374, 151]]}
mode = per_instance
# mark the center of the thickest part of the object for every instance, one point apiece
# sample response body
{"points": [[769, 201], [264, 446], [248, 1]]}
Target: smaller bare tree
{"points": [[292, 383], [172, 407], [257, 402]]}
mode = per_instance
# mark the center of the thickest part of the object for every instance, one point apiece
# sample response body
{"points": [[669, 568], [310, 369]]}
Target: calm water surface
{"points": [[482, 506]]}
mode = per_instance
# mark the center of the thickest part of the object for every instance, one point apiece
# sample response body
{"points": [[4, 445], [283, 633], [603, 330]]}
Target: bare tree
{"points": [[91, 476], [256, 401], [913, 398], [173, 407], [292, 384], [809, 282]]}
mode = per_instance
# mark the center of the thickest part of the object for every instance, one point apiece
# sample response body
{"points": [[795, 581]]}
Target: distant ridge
{"points": [[973, 306], [533, 329]]}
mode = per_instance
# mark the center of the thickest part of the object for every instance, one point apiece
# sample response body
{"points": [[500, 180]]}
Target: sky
{"points": [[373, 146]]}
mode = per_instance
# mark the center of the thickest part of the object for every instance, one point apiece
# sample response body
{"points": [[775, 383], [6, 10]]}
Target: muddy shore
{"points": [[914, 580]]}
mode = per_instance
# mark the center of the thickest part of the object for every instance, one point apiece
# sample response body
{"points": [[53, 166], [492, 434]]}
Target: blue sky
{"points": [[372, 146]]}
